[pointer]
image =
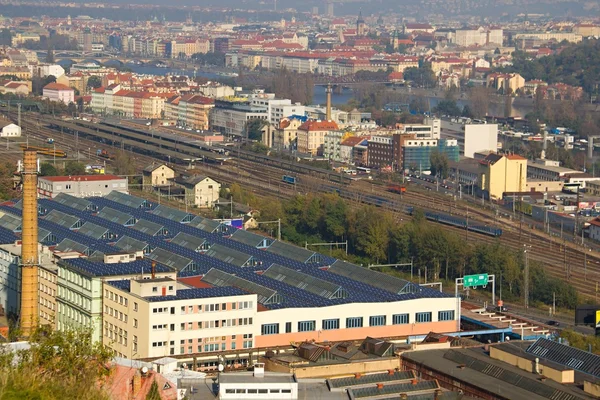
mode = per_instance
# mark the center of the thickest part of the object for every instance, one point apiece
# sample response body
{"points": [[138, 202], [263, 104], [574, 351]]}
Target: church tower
{"points": [[360, 25]]}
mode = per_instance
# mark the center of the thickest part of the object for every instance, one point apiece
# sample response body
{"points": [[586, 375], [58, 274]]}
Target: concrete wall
{"points": [[592, 388], [480, 137], [560, 376]]}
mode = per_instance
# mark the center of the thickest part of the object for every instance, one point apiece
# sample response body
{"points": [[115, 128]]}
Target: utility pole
{"points": [[526, 277]]}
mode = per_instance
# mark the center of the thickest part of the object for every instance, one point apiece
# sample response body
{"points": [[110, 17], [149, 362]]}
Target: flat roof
{"points": [[80, 178], [248, 377]]}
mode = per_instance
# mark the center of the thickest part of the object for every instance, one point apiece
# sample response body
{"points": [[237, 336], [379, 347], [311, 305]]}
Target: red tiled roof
{"points": [[318, 126], [57, 86]]}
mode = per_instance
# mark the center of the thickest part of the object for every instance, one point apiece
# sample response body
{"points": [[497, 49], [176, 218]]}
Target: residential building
{"points": [[587, 30], [277, 108], [311, 136], [200, 191], [43, 70], [10, 275], [503, 173], [114, 100], [481, 36], [531, 39], [381, 151], [157, 175], [286, 133], [59, 92], [348, 147], [215, 90], [190, 110], [166, 318], [594, 229], [9, 130], [19, 88], [416, 153], [81, 185], [506, 83], [332, 145]]}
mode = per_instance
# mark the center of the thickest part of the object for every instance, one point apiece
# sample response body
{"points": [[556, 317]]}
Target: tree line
{"points": [[376, 236]]}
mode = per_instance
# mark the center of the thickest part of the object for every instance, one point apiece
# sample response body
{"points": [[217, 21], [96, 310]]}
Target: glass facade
{"points": [[417, 157]]}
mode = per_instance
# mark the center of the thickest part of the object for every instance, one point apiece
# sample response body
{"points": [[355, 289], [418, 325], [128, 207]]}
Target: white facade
{"points": [[480, 137], [278, 108], [244, 386], [478, 37], [60, 93], [81, 186], [155, 327], [232, 122], [11, 130], [43, 70]]}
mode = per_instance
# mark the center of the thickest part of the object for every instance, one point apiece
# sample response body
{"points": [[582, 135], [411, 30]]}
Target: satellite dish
{"points": [[144, 370], [221, 368]]}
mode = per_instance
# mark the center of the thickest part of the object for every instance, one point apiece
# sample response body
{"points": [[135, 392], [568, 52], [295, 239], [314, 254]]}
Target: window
{"points": [[269, 329], [135, 306], [423, 317], [446, 315], [399, 319], [354, 322], [288, 327], [232, 345], [377, 320], [328, 324], [306, 326]]}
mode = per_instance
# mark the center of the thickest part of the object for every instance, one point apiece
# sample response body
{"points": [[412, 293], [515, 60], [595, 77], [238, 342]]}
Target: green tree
{"points": [[421, 77], [58, 365], [439, 164], [6, 185], [47, 169], [74, 168], [123, 164], [254, 129], [447, 107], [94, 82]]}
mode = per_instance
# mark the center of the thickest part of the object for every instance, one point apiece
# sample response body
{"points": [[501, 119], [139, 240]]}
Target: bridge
{"points": [[100, 56]]}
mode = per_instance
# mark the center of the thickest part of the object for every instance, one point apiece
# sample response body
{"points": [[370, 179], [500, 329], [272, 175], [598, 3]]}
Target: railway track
{"points": [[561, 260]]}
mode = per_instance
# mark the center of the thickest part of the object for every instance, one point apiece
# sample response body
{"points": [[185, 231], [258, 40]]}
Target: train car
{"points": [[45, 151], [289, 179], [396, 189], [486, 230], [458, 222]]}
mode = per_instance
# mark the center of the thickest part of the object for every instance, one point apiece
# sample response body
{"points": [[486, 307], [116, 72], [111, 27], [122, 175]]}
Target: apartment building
{"points": [[114, 100], [157, 175], [190, 110], [286, 133], [311, 136], [503, 173], [167, 318], [276, 108], [58, 92]]}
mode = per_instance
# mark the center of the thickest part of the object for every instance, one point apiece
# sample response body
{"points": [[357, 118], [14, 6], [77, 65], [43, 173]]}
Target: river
{"points": [[337, 98]]}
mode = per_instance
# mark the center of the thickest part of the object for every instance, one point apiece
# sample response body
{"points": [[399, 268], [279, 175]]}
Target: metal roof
{"points": [[251, 239], [68, 245], [367, 379], [391, 389], [509, 377], [10, 221], [291, 251], [127, 243], [173, 214], [228, 255], [265, 295], [188, 241], [73, 202], [170, 259], [373, 278], [566, 355], [118, 217], [62, 219], [148, 227], [306, 282], [126, 199], [205, 224], [94, 231], [45, 236]]}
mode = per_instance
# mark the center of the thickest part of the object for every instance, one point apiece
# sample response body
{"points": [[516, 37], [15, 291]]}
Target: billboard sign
{"points": [[475, 280]]}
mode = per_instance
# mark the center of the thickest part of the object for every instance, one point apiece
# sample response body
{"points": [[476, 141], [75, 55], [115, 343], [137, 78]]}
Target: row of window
{"points": [[115, 313], [357, 322], [115, 297], [257, 391], [242, 305]]}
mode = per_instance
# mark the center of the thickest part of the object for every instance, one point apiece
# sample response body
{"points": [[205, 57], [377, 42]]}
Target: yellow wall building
{"points": [[501, 173]]}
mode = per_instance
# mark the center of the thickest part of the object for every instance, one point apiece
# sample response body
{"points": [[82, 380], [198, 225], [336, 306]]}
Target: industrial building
{"points": [[81, 185], [215, 288], [503, 173]]}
